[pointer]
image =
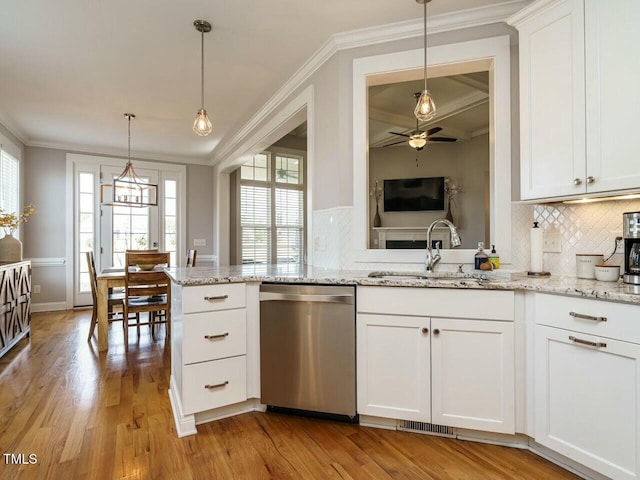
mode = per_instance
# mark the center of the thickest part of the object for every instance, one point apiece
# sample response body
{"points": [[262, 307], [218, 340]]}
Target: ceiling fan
{"points": [[419, 138]]}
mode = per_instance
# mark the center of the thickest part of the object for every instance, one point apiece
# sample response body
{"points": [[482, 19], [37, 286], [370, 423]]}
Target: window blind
{"points": [[9, 182], [255, 223]]}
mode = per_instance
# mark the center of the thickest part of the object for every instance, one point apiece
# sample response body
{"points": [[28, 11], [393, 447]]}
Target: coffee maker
{"points": [[631, 235]]}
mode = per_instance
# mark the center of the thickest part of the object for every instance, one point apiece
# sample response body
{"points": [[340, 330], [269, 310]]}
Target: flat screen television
{"points": [[414, 194]]}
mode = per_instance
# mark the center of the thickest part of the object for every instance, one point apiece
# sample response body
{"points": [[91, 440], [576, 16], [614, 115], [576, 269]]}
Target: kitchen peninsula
{"points": [[480, 357]]}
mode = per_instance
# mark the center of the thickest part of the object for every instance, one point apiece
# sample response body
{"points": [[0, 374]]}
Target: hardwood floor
{"points": [[90, 415]]}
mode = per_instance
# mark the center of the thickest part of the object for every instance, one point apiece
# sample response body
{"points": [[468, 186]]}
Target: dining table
{"points": [[108, 279]]}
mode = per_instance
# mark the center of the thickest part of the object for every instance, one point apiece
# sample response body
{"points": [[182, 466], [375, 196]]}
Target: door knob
{"points": [[425, 330], [590, 179], [436, 331], [577, 181]]}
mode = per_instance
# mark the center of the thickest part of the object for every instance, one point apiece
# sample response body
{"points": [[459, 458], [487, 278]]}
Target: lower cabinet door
{"points": [[473, 369], [587, 400], [393, 367], [214, 384]]}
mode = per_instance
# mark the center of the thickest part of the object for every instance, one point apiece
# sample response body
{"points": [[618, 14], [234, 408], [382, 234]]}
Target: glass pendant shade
{"points": [[426, 108], [417, 141], [202, 125]]}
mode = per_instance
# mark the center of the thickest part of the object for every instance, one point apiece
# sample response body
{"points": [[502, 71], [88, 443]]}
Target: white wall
{"points": [[465, 163]]}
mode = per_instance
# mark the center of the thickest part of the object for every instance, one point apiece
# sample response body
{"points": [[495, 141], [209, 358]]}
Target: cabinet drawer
{"points": [[208, 298], [594, 317], [214, 335], [437, 302], [214, 384]]}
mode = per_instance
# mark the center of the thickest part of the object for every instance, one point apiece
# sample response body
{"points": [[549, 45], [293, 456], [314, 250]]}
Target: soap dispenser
{"points": [[480, 256], [494, 258]]}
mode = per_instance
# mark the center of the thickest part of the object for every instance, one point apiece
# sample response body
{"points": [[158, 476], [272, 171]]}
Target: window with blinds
{"points": [[272, 209], [9, 182]]}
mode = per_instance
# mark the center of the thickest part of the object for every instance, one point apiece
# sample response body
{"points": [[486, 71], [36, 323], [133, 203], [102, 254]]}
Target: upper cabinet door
{"points": [[613, 94], [552, 100]]}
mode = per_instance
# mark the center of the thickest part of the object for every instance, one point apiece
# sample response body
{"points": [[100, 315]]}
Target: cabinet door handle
{"points": [[425, 330], [217, 297], [436, 331], [214, 337], [587, 317], [577, 181], [587, 342], [590, 179], [217, 385]]}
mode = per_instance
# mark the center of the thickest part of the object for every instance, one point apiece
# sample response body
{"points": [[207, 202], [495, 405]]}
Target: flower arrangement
{"points": [[11, 221], [451, 189], [376, 191]]}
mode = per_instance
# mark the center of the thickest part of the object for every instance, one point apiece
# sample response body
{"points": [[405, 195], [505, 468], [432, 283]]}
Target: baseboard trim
{"points": [[48, 307], [185, 424]]}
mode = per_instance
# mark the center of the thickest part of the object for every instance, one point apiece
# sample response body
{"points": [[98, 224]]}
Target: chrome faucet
{"points": [[432, 260]]}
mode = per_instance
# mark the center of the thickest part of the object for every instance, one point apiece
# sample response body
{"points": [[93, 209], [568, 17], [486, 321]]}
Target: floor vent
{"points": [[426, 428]]}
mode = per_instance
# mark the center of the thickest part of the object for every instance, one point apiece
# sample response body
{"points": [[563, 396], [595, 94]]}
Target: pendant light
{"points": [[418, 138], [202, 125], [129, 190], [426, 108]]}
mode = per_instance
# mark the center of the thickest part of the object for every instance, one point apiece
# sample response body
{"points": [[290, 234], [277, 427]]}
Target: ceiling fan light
{"points": [[426, 108], [202, 125], [417, 141]]}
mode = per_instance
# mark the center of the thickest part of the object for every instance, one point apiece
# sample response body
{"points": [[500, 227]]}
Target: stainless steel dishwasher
{"points": [[308, 349]]}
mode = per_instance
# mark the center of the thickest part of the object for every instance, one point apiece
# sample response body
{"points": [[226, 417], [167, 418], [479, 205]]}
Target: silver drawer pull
{"points": [[587, 342], [217, 385], [588, 317], [214, 337], [217, 297]]}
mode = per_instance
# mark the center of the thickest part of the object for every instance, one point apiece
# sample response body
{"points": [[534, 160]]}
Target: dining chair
{"points": [[114, 299], [191, 258], [146, 292], [150, 250]]}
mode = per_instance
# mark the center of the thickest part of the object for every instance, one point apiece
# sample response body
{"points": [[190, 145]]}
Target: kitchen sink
{"points": [[445, 277]]}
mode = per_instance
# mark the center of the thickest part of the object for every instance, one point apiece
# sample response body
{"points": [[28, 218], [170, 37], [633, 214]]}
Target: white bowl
{"points": [[607, 273]]}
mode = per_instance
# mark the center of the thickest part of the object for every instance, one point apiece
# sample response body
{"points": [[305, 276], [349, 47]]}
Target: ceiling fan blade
{"points": [[396, 143], [441, 139], [433, 130], [401, 134]]}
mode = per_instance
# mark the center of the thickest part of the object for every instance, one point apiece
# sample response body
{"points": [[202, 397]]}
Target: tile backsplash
{"points": [[583, 228]]}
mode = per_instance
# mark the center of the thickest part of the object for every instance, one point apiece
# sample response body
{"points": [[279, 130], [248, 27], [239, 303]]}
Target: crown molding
{"points": [[16, 132], [472, 17], [115, 152], [535, 8]]}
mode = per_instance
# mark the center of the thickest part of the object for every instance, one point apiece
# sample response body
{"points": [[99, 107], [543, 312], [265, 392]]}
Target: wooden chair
{"points": [[146, 291], [115, 299], [191, 258]]}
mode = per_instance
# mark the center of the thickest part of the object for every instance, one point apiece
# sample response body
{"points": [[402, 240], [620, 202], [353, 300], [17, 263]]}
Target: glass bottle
{"points": [[480, 256]]}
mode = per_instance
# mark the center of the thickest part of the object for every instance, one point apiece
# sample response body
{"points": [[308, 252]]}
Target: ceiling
{"points": [[69, 69], [462, 107]]}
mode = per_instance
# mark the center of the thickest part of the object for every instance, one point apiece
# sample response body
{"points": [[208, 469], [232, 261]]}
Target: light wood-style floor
{"points": [[103, 416]]}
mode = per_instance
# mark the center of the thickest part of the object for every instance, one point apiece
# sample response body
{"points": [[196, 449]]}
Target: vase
{"points": [[449, 215], [376, 219], [10, 248]]}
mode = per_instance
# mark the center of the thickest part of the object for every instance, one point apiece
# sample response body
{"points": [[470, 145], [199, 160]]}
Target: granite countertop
{"points": [[497, 280]]}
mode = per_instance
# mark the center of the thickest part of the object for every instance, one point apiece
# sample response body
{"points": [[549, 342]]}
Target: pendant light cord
{"points": [[425, 44], [202, 69], [129, 144]]}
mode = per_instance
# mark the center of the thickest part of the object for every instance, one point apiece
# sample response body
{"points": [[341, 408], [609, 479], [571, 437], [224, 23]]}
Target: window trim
{"points": [[15, 152]]}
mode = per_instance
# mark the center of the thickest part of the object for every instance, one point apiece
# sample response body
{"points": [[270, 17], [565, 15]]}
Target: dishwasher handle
{"points": [[302, 297]]}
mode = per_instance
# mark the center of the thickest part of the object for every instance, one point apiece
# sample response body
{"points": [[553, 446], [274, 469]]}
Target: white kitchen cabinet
{"points": [[394, 367], [552, 100], [454, 371], [578, 97], [473, 374], [612, 74], [213, 352], [587, 383]]}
